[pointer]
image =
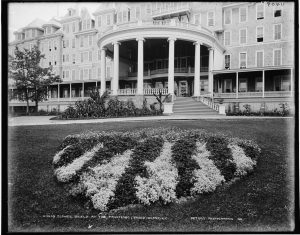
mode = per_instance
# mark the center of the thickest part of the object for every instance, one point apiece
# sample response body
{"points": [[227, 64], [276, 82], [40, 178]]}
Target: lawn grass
{"points": [[263, 200]]}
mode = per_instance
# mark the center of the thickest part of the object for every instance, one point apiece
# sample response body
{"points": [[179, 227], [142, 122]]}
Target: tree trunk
{"points": [[27, 107], [36, 106]]}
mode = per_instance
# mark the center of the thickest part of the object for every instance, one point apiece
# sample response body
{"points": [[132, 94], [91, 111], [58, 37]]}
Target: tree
{"points": [[31, 80]]}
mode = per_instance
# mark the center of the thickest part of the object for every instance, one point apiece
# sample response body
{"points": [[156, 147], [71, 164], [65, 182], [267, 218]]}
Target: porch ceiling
{"points": [[252, 69]]}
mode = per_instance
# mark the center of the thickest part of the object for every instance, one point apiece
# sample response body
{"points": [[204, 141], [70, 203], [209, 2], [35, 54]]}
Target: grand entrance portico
{"points": [[175, 70]]}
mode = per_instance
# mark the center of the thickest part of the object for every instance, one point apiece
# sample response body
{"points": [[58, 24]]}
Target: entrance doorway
{"points": [[183, 88]]}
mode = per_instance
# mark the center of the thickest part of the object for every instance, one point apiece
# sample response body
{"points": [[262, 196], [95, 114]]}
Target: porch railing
{"points": [[151, 91], [127, 91], [209, 102], [254, 94]]}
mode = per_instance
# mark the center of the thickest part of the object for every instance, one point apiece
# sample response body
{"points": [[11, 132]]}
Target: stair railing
{"points": [[209, 102]]}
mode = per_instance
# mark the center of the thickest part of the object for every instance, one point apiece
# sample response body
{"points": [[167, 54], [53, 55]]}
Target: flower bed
{"points": [[161, 165]]}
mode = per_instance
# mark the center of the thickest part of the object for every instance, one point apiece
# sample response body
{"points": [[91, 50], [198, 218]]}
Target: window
{"points": [[55, 45], [197, 19], [90, 40], [67, 57], [243, 14], [73, 27], [108, 19], [259, 58], [260, 11], [99, 21], [90, 73], [258, 84], [73, 43], [210, 19], [277, 57], [90, 56], [88, 24], [148, 9], [277, 13], [67, 28], [227, 61], [74, 58], [99, 55], [227, 16], [33, 33], [277, 31], [48, 30], [99, 73], [243, 85], [119, 17], [81, 74], [260, 34], [227, 39], [49, 45], [73, 74], [81, 41], [243, 36], [137, 12], [243, 60], [108, 72]]}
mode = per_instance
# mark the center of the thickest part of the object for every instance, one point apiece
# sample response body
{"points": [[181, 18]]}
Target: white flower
{"points": [[243, 163], [58, 155], [208, 177], [162, 180], [65, 173], [101, 181]]}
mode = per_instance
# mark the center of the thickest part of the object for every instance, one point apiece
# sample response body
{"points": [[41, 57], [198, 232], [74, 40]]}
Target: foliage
{"points": [[32, 81], [182, 157], [221, 155], [104, 106], [283, 111], [145, 151], [151, 165]]}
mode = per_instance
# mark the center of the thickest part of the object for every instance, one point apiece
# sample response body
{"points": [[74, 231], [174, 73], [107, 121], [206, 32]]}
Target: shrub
{"points": [[221, 155]]}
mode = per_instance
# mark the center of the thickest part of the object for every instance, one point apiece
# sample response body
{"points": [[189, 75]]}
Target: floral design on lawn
{"points": [[147, 166]]}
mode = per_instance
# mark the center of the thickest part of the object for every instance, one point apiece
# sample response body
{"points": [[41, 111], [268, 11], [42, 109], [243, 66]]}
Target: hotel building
{"points": [[240, 52]]}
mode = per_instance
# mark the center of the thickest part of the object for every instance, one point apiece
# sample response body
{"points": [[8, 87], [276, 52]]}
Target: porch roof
{"points": [[254, 69]]}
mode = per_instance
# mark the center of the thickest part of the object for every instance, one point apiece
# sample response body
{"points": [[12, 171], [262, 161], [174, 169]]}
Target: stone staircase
{"points": [[188, 106]]}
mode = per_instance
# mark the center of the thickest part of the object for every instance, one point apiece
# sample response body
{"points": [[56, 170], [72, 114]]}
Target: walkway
{"points": [[45, 120]]}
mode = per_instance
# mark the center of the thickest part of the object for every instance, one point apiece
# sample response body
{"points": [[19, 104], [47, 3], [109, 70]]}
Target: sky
{"points": [[21, 14]]}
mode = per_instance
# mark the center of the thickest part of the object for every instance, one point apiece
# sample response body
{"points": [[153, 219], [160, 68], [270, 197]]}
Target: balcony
{"points": [[155, 23], [175, 10], [146, 91], [234, 95]]}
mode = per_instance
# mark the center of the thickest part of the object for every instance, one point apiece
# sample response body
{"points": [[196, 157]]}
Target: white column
{"points": [[197, 69], [82, 97], [171, 66], [237, 85], [70, 91], [115, 80], [58, 92], [263, 84], [292, 82], [140, 73], [210, 74], [103, 70]]}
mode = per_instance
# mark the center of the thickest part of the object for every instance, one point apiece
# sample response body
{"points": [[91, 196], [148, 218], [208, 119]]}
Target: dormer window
{"points": [[70, 12]]}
